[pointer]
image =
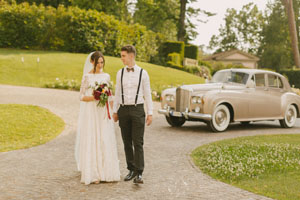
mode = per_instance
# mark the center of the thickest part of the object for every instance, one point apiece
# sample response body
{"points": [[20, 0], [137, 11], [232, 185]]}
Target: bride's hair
{"points": [[95, 57]]}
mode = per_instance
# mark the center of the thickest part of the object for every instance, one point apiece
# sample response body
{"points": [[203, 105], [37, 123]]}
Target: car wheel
{"points": [[175, 121], [220, 119], [290, 117], [246, 123]]}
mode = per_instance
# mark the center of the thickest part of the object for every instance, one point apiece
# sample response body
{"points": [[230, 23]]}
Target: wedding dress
{"points": [[96, 148]]}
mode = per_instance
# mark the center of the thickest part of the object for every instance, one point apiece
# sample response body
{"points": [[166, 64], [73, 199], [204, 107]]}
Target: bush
{"points": [[293, 76], [174, 58], [72, 29], [171, 47], [23, 26], [191, 51], [64, 84], [174, 65]]}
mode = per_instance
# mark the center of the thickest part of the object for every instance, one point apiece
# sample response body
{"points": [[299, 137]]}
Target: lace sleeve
{"points": [[83, 87]]}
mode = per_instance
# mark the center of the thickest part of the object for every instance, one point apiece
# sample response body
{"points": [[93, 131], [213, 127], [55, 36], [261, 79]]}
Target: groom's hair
{"points": [[129, 49]]}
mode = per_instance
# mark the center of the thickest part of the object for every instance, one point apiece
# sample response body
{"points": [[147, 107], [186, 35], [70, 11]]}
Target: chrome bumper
{"points": [[187, 115]]}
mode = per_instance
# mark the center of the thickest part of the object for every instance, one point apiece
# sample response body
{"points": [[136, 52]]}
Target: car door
{"points": [[275, 90], [260, 105]]}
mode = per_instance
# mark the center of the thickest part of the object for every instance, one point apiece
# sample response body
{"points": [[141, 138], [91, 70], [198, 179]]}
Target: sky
{"points": [[207, 30]]}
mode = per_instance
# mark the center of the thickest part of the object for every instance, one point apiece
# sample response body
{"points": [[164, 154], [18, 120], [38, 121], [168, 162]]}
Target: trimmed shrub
{"points": [[171, 47], [191, 51], [293, 76], [174, 58], [72, 29], [23, 26]]}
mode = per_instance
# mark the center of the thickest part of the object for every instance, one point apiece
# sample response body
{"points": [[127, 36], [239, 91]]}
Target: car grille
{"points": [[182, 99]]}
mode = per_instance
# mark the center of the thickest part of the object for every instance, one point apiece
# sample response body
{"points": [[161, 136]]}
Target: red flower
{"points": [[97, 94]]}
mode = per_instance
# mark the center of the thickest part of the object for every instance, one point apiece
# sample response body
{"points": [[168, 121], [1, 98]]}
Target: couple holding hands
{"points": [[96, 148]]}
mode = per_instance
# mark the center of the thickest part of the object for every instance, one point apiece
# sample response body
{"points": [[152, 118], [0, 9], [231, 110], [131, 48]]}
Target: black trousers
{"points": [[132, 124]]}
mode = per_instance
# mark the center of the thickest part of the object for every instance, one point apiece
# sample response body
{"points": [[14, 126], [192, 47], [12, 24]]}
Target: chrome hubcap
{"points": [[220, 117], [290, 116]]}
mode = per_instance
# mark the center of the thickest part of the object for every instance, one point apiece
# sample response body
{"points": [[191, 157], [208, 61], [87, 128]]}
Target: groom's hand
{"points": [[149, 120], [115, 117]]}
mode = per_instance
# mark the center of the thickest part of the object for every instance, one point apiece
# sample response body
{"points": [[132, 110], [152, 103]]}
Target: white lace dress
{"points": [[96, 148]]}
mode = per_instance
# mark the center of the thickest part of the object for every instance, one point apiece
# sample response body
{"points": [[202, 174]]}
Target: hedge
{"points": [[174, 58], [72, 29], [293, 76], [191, 51], [172, 47]]}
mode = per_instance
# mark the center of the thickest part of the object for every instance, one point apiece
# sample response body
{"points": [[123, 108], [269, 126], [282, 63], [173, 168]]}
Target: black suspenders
{"points": [[138, 89], [122, 87]]}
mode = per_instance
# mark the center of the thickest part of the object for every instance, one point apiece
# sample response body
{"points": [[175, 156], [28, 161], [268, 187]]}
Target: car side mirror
{"points": [[251, 84]]}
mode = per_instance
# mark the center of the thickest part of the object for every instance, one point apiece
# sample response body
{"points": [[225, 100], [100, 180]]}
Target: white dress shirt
{"points": [[130, 85]]}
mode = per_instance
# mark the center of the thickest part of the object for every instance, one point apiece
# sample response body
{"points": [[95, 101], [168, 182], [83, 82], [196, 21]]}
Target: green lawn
{"points": [[24, 126], [69, 66], [266, 165]]}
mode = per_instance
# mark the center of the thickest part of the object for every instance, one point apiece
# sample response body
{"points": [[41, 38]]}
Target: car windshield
{"points": [[230, 77]]}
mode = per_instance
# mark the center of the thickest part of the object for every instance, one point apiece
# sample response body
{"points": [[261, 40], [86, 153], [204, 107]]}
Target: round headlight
{"points": [[199, 100], [197, 109], [194, 100]]}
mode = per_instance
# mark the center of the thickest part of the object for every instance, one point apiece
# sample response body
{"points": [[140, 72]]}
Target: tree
{"points": [[54, 4], [186, 29], [169, 17], [292, 29], [181, 24], [275, 49], [242, 30], [158, 15], [117, 8]]}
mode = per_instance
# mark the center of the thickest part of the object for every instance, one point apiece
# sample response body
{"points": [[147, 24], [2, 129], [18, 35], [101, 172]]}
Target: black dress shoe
{"points": [[130, 175], [138, 179]]}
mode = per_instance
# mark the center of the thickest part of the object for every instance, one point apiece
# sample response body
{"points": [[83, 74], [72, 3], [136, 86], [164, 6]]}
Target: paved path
{"points": [[49, 171]]}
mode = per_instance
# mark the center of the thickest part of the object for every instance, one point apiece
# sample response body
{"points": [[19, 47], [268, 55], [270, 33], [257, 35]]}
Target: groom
{"points": [[132, 87]]}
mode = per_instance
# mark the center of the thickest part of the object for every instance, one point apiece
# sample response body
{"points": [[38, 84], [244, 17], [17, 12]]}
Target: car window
{"points": [[274, 81], [280, 83], [230, 76], [260, 80]]}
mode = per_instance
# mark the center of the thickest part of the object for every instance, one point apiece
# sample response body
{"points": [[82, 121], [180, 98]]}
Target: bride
{"points": [[95, 149]]}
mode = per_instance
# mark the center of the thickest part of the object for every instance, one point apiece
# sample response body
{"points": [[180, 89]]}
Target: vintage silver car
{"points": [[233, 95]]}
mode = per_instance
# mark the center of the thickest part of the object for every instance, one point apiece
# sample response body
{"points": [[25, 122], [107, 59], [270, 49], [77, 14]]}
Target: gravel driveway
{"points": [[49, 171]]}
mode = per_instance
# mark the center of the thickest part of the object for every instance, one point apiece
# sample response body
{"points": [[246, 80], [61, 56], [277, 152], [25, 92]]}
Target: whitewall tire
{"points": [[290, 117], [220, 119]]}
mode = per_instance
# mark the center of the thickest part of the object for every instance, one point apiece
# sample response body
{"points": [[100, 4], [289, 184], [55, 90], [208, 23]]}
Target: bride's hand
{"points": [[88, 98], [115, 117]]}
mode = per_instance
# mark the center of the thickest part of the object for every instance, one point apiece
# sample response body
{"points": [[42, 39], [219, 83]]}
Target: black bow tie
{"points": [[130, 69]]}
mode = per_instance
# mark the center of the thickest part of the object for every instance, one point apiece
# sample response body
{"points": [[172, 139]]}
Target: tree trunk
{"points": [[181, 27], [293, 31]]}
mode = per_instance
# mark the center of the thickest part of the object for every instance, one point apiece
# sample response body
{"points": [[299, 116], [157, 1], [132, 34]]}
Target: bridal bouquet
{"points": [[101, 92]]}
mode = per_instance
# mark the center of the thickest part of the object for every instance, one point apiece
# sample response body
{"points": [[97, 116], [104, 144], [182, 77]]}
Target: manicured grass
{"points": [[24, 126], [69, 66], [266, 165]]}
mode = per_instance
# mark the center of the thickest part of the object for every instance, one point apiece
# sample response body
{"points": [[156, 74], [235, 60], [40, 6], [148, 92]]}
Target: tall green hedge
{"points": [[191, 51], [72, 29], [172, 47], [293, 76]]}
